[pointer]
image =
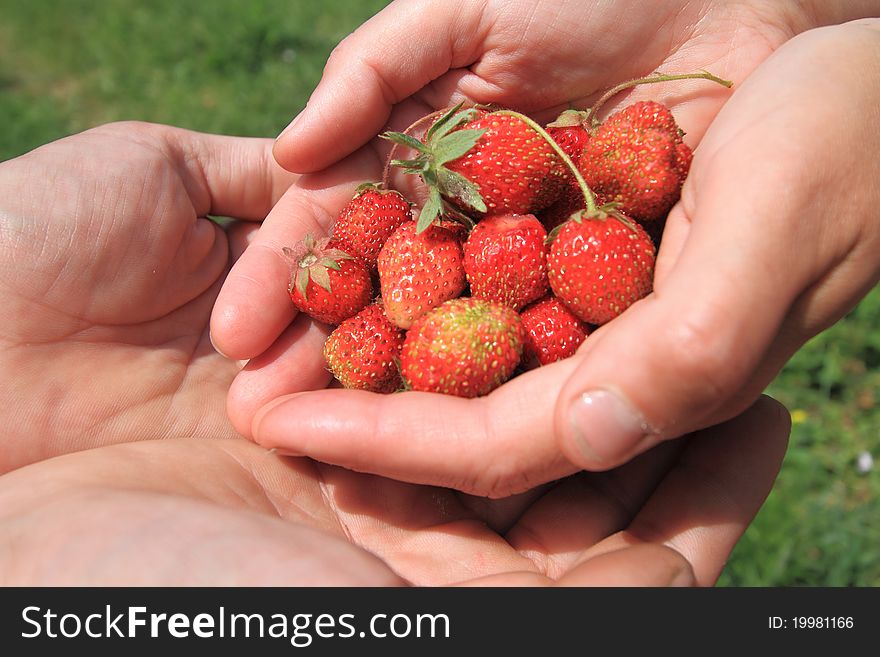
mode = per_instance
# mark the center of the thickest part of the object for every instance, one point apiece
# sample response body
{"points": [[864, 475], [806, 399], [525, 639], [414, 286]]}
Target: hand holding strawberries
{"points": [[112, 395], [735, 291]]}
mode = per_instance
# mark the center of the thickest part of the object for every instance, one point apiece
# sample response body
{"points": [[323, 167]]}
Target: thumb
{"points": [[387, 59], [757, 257]]}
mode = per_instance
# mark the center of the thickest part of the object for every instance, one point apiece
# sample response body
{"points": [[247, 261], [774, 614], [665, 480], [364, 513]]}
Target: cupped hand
{"points": [[108, 274], [770, 244], [193, 512]]}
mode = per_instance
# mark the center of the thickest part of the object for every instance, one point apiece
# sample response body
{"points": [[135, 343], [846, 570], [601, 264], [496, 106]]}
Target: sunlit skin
{"points": [[774, 238], [120, 466]]}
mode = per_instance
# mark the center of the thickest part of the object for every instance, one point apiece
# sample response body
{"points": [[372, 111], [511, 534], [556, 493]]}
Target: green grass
{"points": [[242, 67], [247, 67], [821, 524]]}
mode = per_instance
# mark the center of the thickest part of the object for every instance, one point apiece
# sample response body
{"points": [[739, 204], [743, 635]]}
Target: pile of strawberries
{"points": [[531, 236]]}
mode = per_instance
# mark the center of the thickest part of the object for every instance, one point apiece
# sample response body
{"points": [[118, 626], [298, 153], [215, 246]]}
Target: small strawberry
{"points": [[637, 159], [465, 347], [552, 331], [419, 271], [484, 163], [366, 221], [327, 283], [363, 351], [505, 259], [600, 264], [571, 130], [570, 201]]}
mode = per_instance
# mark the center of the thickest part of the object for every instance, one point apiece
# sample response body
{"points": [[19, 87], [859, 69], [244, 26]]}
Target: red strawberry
{"points": [[419, 271], [570, 201], [363, 352], [484, 163], [465, 347], [326, 283], [570, 131], [637, 159], [505, 260], [552, 331], [600, 265], [366, 221]]}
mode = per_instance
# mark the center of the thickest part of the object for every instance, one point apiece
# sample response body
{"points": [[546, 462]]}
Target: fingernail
{"points": [[290, 125], [606, 427]]}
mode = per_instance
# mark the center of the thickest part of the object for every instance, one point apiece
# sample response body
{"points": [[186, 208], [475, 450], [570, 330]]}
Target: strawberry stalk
{"points": [[590, 115], [589, 197]]}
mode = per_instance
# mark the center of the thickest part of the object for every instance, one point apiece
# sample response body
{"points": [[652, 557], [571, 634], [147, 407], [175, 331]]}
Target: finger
{"points": [[493, 446], [240, 234], [371, 72], [226, 176], [254, 307], [293, 363], [750, 237], [586, 508], [425, 535], [135, 515], [711, 495], [645, 564], [638, 565]]}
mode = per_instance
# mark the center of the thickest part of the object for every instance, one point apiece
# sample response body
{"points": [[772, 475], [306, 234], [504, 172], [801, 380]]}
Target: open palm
{"points": [[109, 272], [194, 512]]}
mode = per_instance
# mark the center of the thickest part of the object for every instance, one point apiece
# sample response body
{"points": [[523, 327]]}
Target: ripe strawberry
{"points": [[552, 331], [570, 201], [505, 260], [326, 283], [484, 163], [637, 159], [363, 352], [366, 221], [570, 130], [465, 347], [419, 271], [600, 265]]}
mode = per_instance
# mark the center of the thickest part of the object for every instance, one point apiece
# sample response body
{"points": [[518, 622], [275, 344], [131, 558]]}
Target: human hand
{"points": [[537, 57], [720, 324], [223, 512], [109, 272]]}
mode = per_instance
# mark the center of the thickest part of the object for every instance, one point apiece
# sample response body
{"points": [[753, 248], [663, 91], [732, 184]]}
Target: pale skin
{"points": [[774, 238], [120, 467]]}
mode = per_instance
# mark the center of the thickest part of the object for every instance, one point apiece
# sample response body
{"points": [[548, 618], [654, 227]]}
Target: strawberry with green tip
{"points": [[571, 130], [363, 352], [465, 347], [600, 264], [368, 220], [505, 259], [327, 283], [552, 332], [484, 162], [418, 271]]}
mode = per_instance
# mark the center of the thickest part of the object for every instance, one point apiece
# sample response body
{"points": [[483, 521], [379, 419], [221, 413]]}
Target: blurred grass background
{"points": [[247, 67]]}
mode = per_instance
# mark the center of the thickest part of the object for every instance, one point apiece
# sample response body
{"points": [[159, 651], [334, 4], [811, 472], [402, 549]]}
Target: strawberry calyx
{"points": [[440, 145], [570, 118], [600, 213], [311, 260]]}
